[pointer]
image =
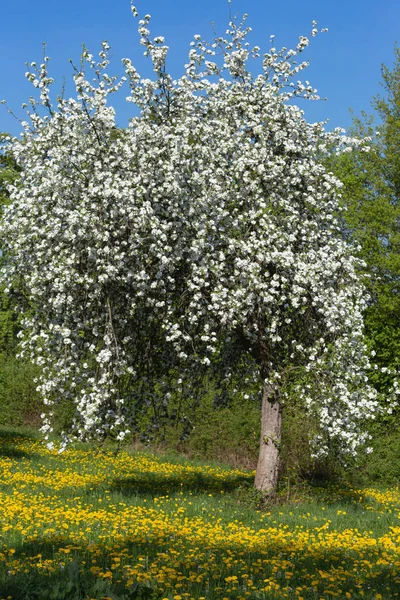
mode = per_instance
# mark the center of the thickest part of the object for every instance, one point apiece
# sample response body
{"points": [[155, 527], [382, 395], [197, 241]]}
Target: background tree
{"points": [[18, 397], [203, 236], [371, 197], [9, 173]]}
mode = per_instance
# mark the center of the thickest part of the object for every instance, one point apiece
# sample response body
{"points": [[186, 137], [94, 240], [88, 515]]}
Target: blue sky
{"points": [[345, 62]]}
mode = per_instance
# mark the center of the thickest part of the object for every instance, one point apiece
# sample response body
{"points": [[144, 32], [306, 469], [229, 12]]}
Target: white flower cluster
{"points": [[204, 232]]}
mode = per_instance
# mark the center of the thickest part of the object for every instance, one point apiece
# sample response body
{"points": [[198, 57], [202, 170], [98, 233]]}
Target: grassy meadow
{"points": [[100, 525]]}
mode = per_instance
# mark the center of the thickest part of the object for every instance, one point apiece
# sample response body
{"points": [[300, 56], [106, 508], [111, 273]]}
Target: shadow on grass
{"points": [[12, 452], [72, 578], [9, 441], [12, 434], [160, 485]]}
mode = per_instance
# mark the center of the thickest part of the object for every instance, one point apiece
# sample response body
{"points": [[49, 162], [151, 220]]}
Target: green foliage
{"points": [[382, 466], [230, 434], [371, 220], [8, 326], [19, 401], [388, 109], [9, 172]]}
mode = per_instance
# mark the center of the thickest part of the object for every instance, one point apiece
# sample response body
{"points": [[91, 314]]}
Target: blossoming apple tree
{"points": [[203, 237]]}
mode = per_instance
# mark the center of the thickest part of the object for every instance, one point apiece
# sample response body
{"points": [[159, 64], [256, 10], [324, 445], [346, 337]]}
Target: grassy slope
{"points": [[95, 525]]}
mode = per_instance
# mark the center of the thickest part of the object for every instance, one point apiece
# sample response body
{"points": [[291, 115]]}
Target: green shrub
{"points": [[19, 400], [382, 466], [229, 434]]}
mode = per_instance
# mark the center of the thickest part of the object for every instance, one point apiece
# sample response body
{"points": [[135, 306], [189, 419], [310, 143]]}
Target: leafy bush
{"points": [[230, 434], [20, 402], [382, 466]]}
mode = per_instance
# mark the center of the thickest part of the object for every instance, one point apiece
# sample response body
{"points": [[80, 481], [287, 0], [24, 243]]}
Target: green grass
{"points": [[87, 524]]}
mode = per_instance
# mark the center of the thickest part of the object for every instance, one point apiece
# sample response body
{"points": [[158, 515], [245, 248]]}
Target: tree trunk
{"points": [[271, 426]]}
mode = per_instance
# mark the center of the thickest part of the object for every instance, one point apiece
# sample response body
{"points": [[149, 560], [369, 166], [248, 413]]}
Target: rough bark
{"points": [[266, 479]]}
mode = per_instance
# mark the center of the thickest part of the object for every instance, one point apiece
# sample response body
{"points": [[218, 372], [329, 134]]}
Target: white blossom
{"points": [[204, 236]]}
